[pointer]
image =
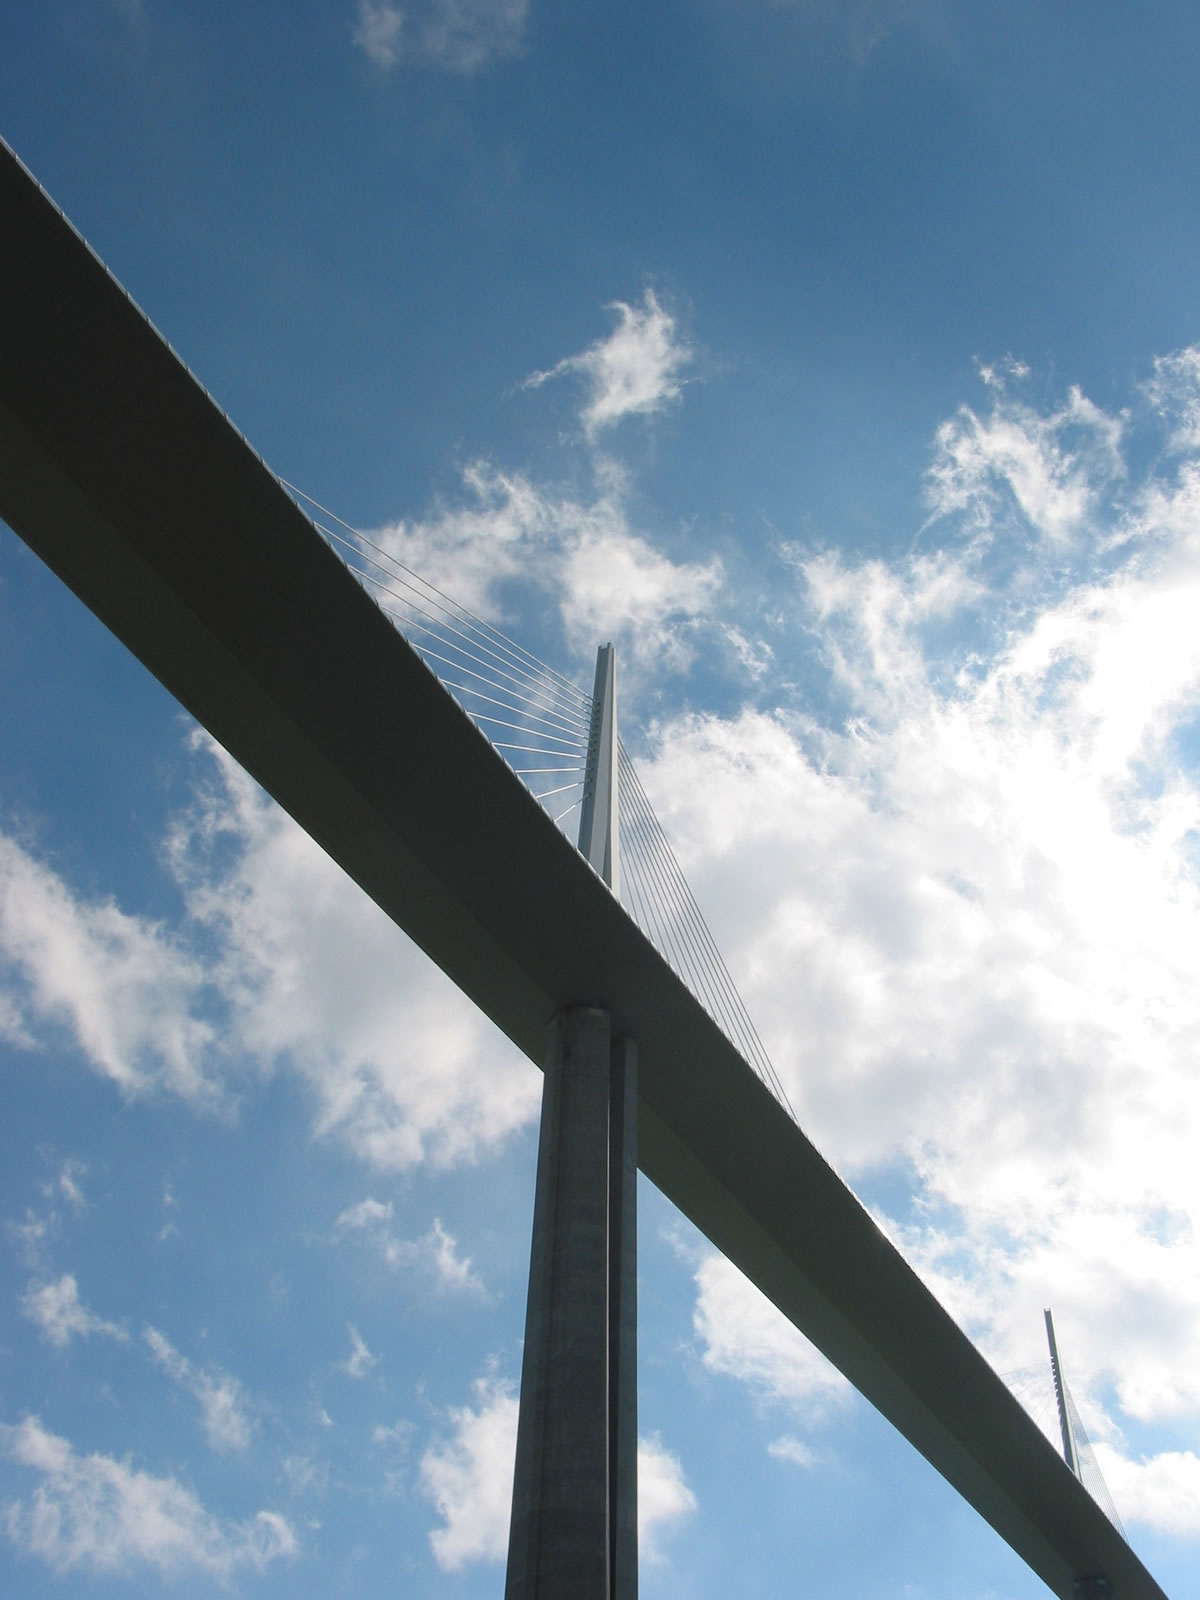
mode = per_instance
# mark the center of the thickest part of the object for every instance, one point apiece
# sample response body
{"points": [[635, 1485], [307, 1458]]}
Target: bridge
{"points": [[127, 479]]}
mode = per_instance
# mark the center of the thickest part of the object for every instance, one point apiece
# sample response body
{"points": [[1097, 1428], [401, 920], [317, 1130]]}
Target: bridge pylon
{"points": [[574, 1513]]}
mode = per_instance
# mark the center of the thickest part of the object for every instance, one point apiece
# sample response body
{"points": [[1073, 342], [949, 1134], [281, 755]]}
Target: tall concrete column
{"points": [[622, 1321], [574, 1519]]}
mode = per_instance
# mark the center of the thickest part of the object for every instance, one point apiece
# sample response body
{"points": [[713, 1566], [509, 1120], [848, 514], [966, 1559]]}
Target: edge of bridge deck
{"points": [[120, 471]]}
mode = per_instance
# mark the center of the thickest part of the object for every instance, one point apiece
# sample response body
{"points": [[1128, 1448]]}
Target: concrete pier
{"points": [[574, 1519]]}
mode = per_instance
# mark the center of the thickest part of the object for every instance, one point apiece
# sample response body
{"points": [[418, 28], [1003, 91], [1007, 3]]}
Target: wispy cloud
{"points": [[1051, 467], [462, 36], [1174, 391], [792, 1450], [62, 1316], [636, 371], [222, 1402], [435, 1252], [360, 1361], [92, 1513], [29, 1237], [379, 33], [69, 1185]]}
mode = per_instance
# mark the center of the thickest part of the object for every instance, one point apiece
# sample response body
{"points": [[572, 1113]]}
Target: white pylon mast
{"points": [[598, 822], [1070, 1449]]}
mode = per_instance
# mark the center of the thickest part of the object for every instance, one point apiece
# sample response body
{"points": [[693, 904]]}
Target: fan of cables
{"points": [[534, 716], [539, 721]]}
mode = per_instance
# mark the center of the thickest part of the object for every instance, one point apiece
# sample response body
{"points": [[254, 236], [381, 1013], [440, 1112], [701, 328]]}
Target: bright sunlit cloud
{"points": [[966, 915]]}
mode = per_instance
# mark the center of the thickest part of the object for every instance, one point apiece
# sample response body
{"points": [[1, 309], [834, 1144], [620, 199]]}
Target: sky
{"points": [[840, 361]]}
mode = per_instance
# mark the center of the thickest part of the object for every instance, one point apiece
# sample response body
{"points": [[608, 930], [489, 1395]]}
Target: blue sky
{"points": [[842, 363]]}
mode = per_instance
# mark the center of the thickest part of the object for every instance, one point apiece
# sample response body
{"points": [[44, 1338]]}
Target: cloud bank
{"points": [[957, 882]]}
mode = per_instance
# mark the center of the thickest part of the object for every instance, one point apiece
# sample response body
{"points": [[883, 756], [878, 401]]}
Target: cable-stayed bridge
{"points": [[533, 714], [125, 477], [540, 722]]}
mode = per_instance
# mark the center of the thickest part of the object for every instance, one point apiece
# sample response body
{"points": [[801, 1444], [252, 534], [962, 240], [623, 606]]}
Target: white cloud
{"points": [[636, 371], [121, 984], [964, 906], [436, 1252], [61, 1315], [468, 1475], [1049, 467], [367, 1214], [307, 1474], [788, 1448], [93, 1513], [462, 36], [222, 1402], [1162, 1492], [395, 1435], [68, 1183], [305, 972], [605, 579], [379, 32], [360, 1361], [30, 1237], [403, 1068], [452, 1270], [1174, 392], [664, 1498], [743, 1336], [12, 1025]]}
